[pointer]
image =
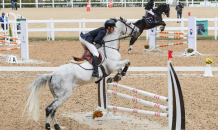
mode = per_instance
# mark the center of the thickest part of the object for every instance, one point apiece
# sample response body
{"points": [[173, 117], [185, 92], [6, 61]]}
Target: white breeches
{"points": [[86, 45], [148, 11]]}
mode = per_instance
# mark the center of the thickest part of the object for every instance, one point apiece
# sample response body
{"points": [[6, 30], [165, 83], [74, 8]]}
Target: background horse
{"points": [[63, 80], [143, 24]]}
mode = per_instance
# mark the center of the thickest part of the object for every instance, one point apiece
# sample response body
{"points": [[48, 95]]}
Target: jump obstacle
{"points": [[192, 38], [176, 118], [16, 40], [21, 39]]}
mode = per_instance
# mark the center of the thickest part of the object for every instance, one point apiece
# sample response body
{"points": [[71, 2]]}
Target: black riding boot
{"points": [[95, 66], [153, 19]]}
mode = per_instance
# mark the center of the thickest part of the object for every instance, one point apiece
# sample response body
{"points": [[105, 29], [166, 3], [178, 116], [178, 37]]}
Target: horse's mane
{"points": [[159, 10], [114, 19]]}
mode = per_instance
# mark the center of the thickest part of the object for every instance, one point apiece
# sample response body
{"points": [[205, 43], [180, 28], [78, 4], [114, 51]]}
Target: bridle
{"points": [[124, 22], [127, 25]]}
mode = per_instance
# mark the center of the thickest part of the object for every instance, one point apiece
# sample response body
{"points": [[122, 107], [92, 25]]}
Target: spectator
{"points": [[2, 20], [12, 4], [15, 3], [179, 11]]}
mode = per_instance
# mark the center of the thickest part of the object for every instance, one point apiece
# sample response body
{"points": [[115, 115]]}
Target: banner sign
{"points": [[202, 27]]}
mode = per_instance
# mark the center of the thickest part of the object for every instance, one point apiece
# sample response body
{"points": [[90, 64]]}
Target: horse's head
{"points": [[163, 8], [126, 27], [167, 10]]}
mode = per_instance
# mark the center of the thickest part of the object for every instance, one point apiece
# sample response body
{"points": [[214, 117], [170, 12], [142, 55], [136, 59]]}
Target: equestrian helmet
{"points": [[109, 23], [3, 13]]}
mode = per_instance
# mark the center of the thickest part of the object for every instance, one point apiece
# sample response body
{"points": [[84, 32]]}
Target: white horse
{"points": [[63, 80]]}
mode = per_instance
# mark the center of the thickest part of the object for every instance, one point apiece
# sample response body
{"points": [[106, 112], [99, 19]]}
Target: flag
{"points": [[170, 54]]}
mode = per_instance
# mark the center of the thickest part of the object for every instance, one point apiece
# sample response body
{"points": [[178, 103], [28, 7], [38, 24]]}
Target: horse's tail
{"points": [[33, 100]]}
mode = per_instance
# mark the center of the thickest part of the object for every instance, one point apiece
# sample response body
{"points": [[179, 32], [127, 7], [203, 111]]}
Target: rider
{"points": [[96, 36], [149, 6]]}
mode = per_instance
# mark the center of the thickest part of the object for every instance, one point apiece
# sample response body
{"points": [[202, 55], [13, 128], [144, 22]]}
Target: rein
{"points": [[115, 40], [118, 38]]}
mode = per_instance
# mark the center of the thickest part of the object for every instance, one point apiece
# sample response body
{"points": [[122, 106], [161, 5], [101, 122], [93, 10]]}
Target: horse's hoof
{"points": [[129, 50], [123, 74], [110, 80], [117, 78], [47, 126], [57, 127]]}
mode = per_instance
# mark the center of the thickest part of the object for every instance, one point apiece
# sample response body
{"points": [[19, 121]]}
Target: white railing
{"points": [[106, 3], [82, 26], [205, 4], [72, 3]]}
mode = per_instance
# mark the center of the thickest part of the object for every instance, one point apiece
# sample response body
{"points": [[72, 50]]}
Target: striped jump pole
{"points": [[14, 38], [172, 44], [139, 91], [3, 41], [138, 111], [171, 37], [7, 49], [179, 33], [14, 43], [3, 35], [134, 99]]}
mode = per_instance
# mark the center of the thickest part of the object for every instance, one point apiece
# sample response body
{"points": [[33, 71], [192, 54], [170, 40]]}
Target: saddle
{"points": [[87, 55], [148, 18]]}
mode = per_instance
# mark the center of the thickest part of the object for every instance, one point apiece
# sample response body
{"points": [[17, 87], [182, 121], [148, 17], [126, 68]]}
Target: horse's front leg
{"points": [[121, 72], [132, 41], [163, 25]]}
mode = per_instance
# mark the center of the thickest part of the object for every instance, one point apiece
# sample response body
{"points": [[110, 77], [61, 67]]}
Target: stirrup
{"points": [[95, 75]]}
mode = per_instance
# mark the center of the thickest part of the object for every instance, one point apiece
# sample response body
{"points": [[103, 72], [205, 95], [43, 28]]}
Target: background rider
{"points": [[148, 8]]}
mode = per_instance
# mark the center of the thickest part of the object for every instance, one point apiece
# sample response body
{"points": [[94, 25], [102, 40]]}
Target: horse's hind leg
{"points": [[61, 90], [51, 110], [56, 126], [48, 112]]}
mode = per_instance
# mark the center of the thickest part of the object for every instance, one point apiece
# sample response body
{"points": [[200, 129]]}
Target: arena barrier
{"points": [[21, 25], [176, 118], [192, 38]]}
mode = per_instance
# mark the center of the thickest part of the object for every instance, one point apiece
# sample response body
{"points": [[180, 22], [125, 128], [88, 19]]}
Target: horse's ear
{"points": [[121, 18]]}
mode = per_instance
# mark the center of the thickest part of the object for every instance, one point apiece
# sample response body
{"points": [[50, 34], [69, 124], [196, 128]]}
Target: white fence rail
{"points": [[82, 26], [106, 3], [141, 69]]}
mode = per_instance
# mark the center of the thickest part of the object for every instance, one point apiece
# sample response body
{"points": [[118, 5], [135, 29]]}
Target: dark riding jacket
{"points": [[149, 5], [96, 35], [179, 8], [2, 20]]}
